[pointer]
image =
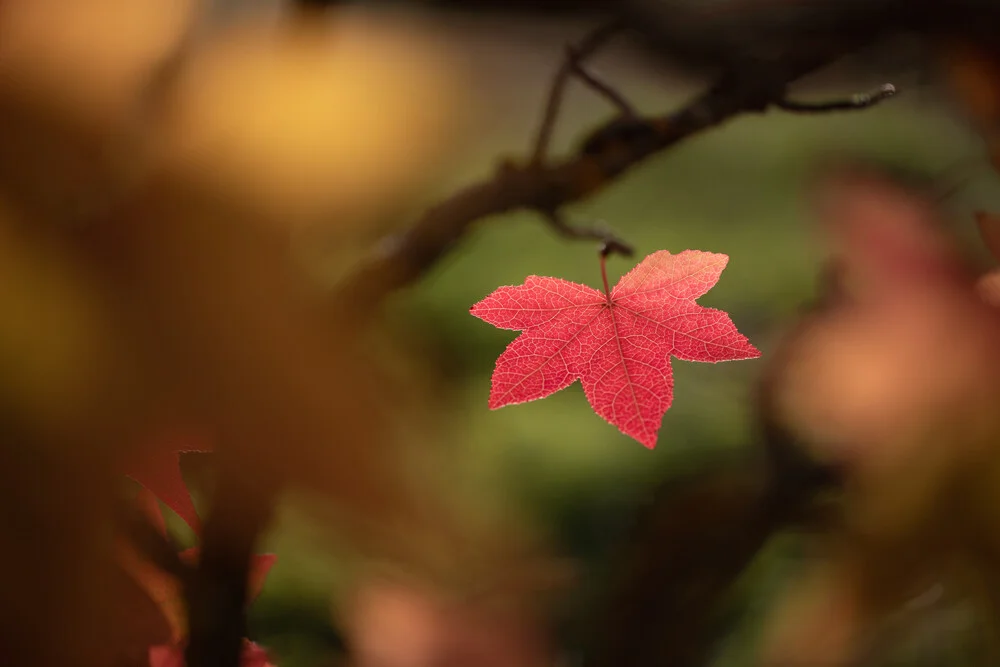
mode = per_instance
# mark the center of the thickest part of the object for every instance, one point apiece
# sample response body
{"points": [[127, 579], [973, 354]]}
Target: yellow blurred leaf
{"points": [[78, 82], [313, 122]]}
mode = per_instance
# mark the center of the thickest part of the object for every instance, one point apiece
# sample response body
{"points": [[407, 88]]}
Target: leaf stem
{"points": [[604, 272]]}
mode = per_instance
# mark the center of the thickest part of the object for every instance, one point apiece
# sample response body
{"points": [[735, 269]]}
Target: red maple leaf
{"points": [[157, 468], [618, 343]]}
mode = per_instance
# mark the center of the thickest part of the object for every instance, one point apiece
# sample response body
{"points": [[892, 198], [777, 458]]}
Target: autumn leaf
{"points": [[617, 342], [158, 469]]}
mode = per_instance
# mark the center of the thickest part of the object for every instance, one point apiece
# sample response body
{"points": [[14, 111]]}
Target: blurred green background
{"points": [[738, 190]]}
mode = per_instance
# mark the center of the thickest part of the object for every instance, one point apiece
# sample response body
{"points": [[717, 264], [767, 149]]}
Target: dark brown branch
{"points": [[610, 244], [601, 87], [670, 579], [588, 46], [604, 155], [217, 591]]}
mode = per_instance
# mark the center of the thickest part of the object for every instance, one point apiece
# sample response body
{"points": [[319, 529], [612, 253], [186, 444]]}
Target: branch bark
{"points": [[545, 187], [216, 591]]}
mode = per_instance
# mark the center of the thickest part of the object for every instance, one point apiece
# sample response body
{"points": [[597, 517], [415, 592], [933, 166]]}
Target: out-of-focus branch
{"points": [[699, 534], [669, 580], [216, 591], [589, 45], [547, 186]]}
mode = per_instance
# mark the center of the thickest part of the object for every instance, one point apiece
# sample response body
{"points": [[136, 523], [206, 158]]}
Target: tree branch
{"points": [[570, 66], [546, 187], [610, 244], [216, 591]]}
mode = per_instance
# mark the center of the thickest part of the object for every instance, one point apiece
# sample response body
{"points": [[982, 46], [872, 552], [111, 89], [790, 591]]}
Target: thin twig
{"points": [[604, 155], [587, 46], [854, 103], [604, 89], [610, 244]]}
